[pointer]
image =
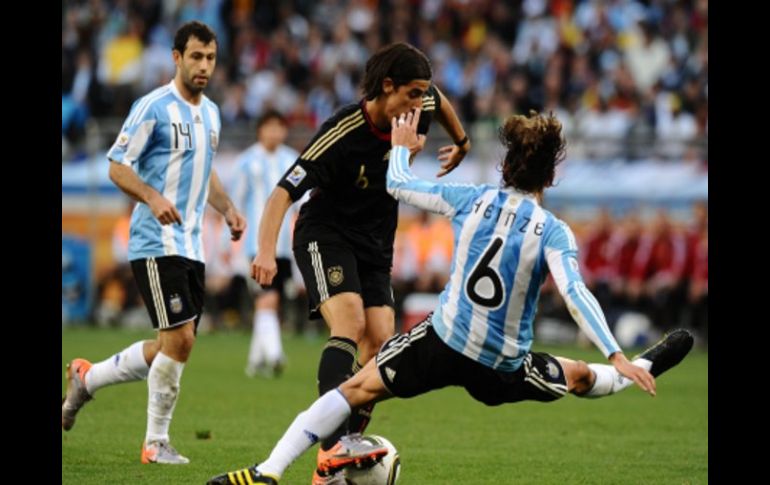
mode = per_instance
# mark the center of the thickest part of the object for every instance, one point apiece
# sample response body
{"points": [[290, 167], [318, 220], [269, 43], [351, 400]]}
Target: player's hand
{"points": [[641, 377], [236, 222], [403, 130], [163, 210], [450, 157], [264, 269]]}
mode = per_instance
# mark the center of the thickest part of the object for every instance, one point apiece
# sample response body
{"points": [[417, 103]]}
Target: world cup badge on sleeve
{"points": [[296, 176]]}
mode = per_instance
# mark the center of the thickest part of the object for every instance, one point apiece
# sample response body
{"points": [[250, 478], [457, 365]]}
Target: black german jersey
{"points": [[345, 165]]}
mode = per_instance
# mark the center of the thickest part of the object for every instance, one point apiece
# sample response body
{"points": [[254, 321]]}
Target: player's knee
{"points": [[150, 349], [186, 343], [179, 345], [581, 377], [346, 319], [267, 301], [350, 389]]}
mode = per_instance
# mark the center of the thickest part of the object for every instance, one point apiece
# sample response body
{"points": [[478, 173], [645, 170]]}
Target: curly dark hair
{"points": [[193, 29], [535, 146]]}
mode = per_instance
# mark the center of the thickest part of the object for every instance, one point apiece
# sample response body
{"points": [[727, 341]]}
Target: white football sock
{"points": [[312, 425], [608, 379], [125, 366], [270, 334], [163, 385], [256, 350]]}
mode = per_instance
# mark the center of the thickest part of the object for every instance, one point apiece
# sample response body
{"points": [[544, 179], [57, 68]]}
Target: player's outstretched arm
{"points": [[562, 259]]}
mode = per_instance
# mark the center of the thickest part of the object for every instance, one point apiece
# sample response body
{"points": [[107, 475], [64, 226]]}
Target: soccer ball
{"points": [[385, 472], [633, 330]]}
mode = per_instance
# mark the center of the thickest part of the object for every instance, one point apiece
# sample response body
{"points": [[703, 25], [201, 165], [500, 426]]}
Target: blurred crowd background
{"points": [[628, 79]]}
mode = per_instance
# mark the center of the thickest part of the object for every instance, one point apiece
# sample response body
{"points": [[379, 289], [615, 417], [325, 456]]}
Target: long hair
{"points": [[401, 62], [535, 146]]}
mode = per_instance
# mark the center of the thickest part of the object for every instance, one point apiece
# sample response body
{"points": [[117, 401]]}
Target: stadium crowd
{"points": [[611, 70]]}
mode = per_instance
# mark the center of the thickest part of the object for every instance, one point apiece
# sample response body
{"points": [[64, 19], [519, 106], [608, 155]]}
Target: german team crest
{"points": [[213, 139], [175, 303], [335, 275]]}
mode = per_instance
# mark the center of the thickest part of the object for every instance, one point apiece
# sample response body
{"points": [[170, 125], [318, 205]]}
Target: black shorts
{"points": [[419, 361], [329, 269], [279, 280], [172, 288]]}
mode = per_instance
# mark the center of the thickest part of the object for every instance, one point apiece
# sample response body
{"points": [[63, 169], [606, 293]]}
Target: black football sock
{"points": [[360, 417], [336, 365]]}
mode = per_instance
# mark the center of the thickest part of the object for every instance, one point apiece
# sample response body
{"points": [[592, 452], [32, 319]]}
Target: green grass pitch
{"points": [[443, 438]]}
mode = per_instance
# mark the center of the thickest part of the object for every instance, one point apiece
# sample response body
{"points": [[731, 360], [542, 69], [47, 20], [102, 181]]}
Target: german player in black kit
{"points": [[343, 239]]}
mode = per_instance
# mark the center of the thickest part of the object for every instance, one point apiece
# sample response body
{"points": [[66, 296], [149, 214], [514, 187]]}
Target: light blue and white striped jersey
{"points": [[257, 173], [170, 143], [505, 243]]}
